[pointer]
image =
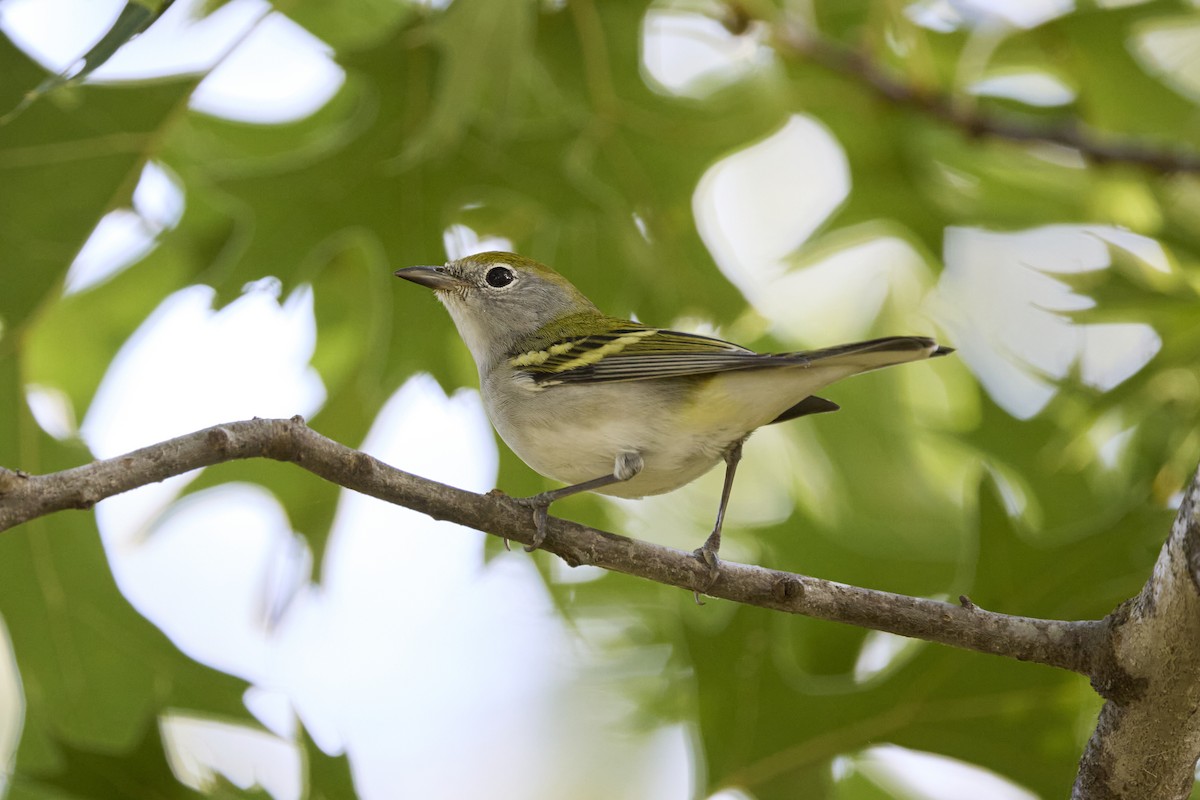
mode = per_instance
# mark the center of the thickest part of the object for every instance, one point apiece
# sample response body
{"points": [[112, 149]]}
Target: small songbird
{"points": [[613, 406]]}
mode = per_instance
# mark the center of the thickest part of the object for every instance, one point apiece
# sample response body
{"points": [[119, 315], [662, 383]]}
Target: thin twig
{"points": [[791, 39], [1069, 645]]}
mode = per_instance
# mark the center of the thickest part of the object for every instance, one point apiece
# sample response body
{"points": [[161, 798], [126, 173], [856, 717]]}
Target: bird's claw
{"points": [[708, 557], [541, 515], [499, 494]]}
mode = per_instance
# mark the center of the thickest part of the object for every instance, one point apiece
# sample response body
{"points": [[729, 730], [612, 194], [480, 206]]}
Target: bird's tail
{"points": [[761, 395], [850, 359], [875, 353]]}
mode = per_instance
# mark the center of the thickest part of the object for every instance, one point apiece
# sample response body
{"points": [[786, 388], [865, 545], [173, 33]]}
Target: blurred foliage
{"points": [[537, 122]]}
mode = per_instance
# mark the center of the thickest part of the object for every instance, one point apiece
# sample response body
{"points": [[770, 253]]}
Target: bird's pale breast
{"points": [[575, 433]]}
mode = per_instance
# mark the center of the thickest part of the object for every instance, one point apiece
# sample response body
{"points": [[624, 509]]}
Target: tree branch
{"points": [[791, 39], [1069, 645], [1147, 739]]}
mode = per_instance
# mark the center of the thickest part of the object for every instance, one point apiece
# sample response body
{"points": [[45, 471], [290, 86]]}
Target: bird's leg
{"points": [[707, 552], [625, 466]]}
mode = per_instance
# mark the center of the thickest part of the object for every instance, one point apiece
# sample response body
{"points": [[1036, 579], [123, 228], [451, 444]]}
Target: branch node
{"points": [[11, 480], [219, 440], [287, 441], [786, 589], [362, 464], [966, 603]]}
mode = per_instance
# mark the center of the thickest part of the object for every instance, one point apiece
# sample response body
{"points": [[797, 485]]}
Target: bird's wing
{"points": [[632, 352], [628, 353]]}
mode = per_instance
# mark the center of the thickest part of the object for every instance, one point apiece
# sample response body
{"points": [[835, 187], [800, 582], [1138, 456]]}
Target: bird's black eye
{"points": [[498, 277]]}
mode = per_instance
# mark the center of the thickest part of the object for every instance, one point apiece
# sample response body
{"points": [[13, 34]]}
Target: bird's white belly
{"points": [[578, 454], [587, 430]]}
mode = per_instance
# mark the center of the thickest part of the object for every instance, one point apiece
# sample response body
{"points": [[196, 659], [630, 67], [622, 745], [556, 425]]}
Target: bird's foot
{"points": [[706, 554], [499, 493], [540, 504]]}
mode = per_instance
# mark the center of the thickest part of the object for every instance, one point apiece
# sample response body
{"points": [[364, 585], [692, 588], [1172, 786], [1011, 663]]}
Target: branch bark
{"points": [[1147, 738], [1144, 658]]}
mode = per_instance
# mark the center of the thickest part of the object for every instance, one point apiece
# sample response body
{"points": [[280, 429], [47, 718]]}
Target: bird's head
{"points": [[499, 300]]}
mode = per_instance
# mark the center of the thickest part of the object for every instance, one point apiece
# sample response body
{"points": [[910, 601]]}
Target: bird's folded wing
{"points": [[633, 352]]}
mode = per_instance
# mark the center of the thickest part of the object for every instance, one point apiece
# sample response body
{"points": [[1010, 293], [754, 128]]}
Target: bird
{"points": [[610, 405]]}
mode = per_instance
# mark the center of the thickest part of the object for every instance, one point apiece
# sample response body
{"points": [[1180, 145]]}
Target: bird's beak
{"points": [[435, 278]]}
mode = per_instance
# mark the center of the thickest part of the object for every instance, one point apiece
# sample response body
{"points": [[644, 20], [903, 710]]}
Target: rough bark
{"points": [[1147, 738]]}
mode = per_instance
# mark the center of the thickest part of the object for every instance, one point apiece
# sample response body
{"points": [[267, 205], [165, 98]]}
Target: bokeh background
{"points": [[203, 227]]}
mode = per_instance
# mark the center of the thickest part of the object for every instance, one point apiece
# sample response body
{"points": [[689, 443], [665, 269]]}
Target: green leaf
{"points": [[135, 17], [92, 773], [107, 139]]}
